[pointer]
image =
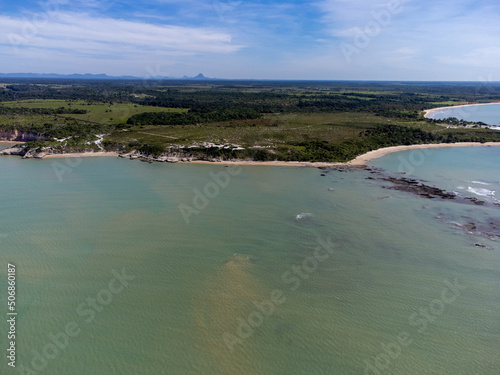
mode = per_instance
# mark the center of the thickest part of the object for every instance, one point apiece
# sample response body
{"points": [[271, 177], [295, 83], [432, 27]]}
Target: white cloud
{"points": [[76, 33]]}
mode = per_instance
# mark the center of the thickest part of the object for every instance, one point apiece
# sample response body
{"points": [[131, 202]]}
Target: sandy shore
{"points": [[79, 155], [275, 163], [427, 112], [363, 159], [10, 143], [358, 161]]}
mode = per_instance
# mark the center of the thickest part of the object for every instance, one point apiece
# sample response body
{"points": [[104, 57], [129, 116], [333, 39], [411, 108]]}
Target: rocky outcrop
{"points": [[20, 136], [16, 150], [37, 154], [169, 157]]}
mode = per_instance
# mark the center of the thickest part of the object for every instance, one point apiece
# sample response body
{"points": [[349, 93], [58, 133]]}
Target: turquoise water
{"points": [[191, 285], [489, 114]]}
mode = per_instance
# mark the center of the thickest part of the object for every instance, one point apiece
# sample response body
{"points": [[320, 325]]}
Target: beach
{"points": [[363, 159], [427, 112], [360, 160], [81, 154]]}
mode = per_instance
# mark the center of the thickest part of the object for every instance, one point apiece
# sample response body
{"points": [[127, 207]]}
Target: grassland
{"points": [[273, 130], [100, 113]]}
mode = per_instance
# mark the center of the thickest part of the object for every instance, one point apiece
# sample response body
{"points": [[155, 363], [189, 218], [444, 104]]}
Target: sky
{"points": [[413, 40]]}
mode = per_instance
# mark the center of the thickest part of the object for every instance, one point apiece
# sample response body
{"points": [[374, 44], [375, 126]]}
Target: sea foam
{"points": [[481, 192], [480, 182], [303, 215]]}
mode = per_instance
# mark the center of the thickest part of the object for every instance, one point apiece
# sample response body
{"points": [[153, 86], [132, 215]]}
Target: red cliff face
{"points": [[19, 136]]}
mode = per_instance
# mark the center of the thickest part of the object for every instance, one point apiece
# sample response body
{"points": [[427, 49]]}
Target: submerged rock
{"points": [[487, 247]]}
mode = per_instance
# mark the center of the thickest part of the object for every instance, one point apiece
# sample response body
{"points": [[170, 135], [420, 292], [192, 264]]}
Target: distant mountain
{"points": [[199, 76], [93, 76]]}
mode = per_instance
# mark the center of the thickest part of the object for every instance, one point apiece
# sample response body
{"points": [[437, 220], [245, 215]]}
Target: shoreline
{"points": [[80, 154], [359, 161], [13, 143], [427, 112], [370, 155]]}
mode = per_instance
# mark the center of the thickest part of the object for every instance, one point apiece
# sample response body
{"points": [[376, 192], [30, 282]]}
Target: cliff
{"points": [[19, 136]]}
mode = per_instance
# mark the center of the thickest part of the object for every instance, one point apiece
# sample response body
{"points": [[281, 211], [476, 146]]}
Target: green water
{"points": [[194, 283]]}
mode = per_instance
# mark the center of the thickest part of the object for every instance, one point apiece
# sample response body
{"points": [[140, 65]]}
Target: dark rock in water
{"points": [[487, 247], [469, 227], [415, 187], [475, 201], [489, 230]]}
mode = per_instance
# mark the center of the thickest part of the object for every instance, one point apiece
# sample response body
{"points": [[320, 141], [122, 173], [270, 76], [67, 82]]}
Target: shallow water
{"points": [[489, 114], [200, 295]]}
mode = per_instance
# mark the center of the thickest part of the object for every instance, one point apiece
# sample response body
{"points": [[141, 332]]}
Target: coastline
{"points": [[427, 112], [359, 161], [364, 158], [80, 154], [13, 143]]}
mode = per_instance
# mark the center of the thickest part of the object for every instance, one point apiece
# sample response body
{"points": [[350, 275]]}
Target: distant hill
{"points": [[93, 76]]}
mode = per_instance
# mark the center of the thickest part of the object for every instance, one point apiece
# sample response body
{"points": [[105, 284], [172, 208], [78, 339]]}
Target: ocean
{"points": [[126, 267], [489, 114]]}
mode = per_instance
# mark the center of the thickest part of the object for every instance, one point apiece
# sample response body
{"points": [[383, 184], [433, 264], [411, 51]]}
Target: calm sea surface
{"points": [[112, 278], [489, 114]]}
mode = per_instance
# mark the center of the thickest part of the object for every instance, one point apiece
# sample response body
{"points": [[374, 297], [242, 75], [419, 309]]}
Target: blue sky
{"points": [[267, 39]]}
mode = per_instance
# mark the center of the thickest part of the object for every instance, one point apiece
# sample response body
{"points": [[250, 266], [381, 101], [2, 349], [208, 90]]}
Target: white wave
{"points": [[303, 215], [481, 192], [479, 182]]}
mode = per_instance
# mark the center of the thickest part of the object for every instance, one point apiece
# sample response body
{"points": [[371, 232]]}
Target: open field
{"points": [[102, 113], [273, 130]]}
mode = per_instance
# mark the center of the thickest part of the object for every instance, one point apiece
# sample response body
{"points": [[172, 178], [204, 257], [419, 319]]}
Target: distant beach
{"points": [[363, 159], [428, 112]]}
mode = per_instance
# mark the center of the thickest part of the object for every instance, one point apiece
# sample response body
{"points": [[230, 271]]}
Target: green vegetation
{"points": [[303, 121], [193, 116]]}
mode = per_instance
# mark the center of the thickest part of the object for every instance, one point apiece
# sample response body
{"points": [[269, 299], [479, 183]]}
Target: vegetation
{"points": [[303, 121]]}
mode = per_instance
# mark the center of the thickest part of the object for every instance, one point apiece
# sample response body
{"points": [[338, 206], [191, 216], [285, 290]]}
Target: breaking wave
{"points": [[303, 215], [481, 192]]}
